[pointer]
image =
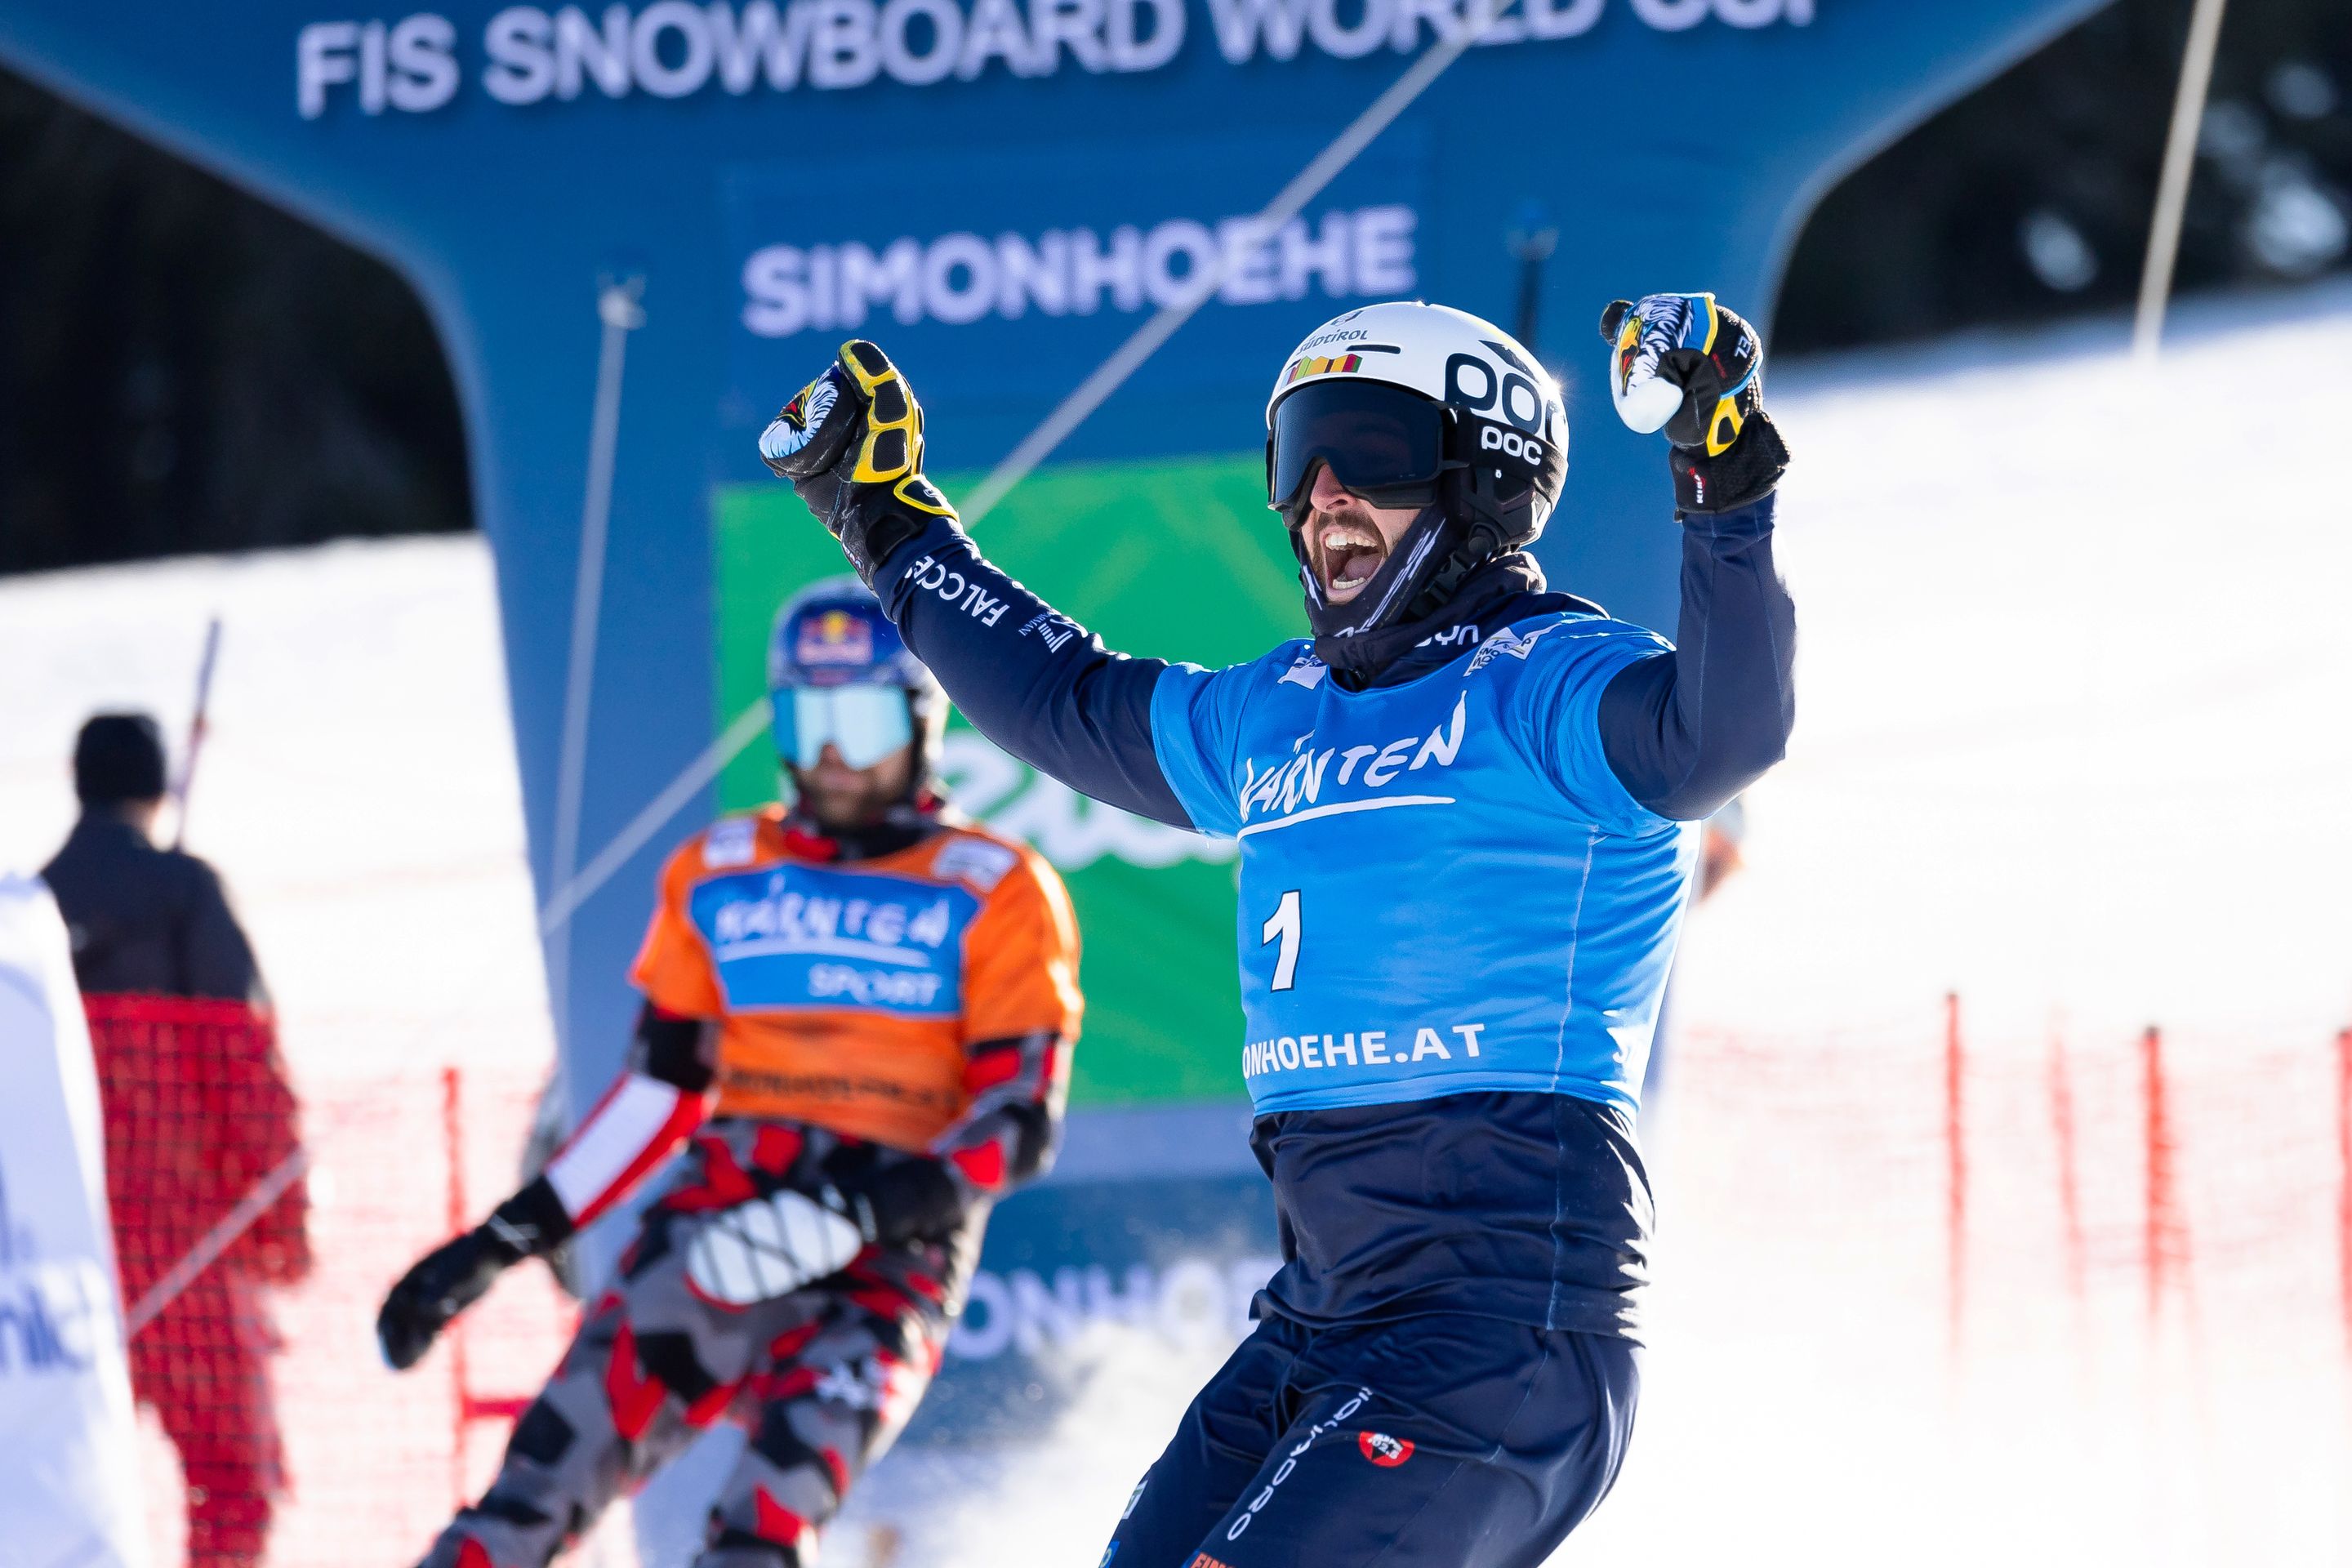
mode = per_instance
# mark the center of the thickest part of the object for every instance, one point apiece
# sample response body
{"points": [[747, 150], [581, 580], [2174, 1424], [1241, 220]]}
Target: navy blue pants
{"points": [[1453, 1442]]}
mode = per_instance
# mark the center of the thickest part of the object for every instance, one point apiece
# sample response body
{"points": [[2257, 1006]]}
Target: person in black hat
{"points": [[142, 920], [198, 1110]]}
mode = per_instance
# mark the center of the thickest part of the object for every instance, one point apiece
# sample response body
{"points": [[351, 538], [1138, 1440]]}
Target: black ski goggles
{"points": [[1382, 442]]}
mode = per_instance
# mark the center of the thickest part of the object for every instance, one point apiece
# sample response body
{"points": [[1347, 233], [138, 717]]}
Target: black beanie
{"points": [[118, 757]]}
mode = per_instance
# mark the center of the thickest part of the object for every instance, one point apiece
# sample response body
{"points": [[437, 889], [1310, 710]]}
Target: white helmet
{"points": [[1447, 355], [1423, 405]]}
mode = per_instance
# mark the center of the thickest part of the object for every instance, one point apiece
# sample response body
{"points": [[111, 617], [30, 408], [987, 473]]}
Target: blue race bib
{"points": [[1443, 886], [811, 936]]}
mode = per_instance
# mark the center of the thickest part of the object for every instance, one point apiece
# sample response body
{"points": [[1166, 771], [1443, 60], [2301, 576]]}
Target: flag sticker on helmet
{"points": [[836, 637], [1314, 366], [1307, 364]]}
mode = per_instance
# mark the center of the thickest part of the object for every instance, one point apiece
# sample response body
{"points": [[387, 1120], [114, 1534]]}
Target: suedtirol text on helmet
{"points": [[1413, 404]]}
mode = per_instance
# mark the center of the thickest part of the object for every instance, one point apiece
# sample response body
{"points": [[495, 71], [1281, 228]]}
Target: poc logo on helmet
{"points": [[1473, 383], [1495, 438]]}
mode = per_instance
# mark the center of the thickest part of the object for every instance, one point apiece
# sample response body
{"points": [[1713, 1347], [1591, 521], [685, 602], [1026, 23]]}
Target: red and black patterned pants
{"points": [[821, 1380]]}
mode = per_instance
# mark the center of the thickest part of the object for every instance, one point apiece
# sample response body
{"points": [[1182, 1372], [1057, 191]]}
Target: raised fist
{"points": [[1685, 364], [851, 442]]}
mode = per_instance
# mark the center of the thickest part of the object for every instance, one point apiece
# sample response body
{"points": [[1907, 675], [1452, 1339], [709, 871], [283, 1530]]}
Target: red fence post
{"points": [[2070, 1186], [2344, 1166], [2167, 1240], [1956, 1168], [453, 1132]]}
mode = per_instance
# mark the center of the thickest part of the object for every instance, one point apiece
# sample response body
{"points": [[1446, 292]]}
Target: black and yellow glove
{"points": [[852, 444], [1683, 364]]}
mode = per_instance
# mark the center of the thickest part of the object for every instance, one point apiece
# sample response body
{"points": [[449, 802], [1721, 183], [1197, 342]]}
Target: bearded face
{"points": [[1348, 539]]}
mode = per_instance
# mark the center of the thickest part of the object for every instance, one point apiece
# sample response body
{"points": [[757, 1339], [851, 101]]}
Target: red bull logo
{"points": [[834, 638]]}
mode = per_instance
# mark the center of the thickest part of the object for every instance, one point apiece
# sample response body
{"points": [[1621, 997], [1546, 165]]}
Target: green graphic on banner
{"points": [[1173, 558]]}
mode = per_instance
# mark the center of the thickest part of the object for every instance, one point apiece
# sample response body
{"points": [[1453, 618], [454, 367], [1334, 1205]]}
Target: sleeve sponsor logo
{"points": [[1052, 628], [966, 593]]}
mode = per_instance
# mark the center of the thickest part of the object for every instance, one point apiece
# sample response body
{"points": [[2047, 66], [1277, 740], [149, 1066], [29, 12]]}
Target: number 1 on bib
{"points": [[1283, 924]]}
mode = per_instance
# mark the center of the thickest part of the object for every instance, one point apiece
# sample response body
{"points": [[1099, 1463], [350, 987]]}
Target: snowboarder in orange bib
{"points": [[861, 1010]]}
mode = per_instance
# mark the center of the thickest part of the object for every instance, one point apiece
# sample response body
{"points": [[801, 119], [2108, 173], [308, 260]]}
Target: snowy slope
{"points": [[2072, 718], [2073, 741], [358, 788]]}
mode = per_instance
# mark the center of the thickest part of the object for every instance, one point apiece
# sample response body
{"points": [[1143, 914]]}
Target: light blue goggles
{"points": [[863, 724]]}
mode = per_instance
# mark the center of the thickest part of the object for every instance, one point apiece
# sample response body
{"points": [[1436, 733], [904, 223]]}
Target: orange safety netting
{"points": [[256, 1232], [1993, 1203]]}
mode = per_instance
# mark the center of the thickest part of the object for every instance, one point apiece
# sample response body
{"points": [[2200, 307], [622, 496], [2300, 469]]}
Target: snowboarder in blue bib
{"points": [[1462, 806]]}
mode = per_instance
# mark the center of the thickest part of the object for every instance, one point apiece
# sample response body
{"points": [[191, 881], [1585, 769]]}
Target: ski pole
{"points": [[195, 733]]}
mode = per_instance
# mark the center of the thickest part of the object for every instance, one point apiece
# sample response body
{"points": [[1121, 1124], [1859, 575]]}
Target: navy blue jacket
{"points": [[147, 920], [1527, 1207]]}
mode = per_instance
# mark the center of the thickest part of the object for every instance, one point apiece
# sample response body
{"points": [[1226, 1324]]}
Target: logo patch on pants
{"points": [[1384, 1450]]}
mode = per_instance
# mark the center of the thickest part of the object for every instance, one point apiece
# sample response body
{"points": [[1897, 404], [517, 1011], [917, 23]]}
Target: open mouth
{"points": [[1350, 552]]}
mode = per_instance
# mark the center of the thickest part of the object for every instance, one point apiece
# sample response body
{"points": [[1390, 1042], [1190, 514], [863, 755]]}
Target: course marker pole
{"points": [[2172, 186], [453, 1132], [2344, 1165], [197, 725], [2166, 1240], [618, 308], [2070, 1186], [1956, 1168]]}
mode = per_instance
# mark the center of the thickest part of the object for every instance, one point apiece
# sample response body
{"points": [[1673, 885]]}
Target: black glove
{"points": [[1683, 363], [894, 1197], [852, 444], [454, 1275]]}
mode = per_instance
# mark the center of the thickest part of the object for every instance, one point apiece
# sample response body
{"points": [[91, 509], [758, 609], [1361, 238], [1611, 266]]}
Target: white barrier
{"points": [[69, 1495]]}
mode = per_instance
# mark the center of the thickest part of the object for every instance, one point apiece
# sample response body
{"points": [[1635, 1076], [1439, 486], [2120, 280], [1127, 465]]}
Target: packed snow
{"points": [[2073, 743]]}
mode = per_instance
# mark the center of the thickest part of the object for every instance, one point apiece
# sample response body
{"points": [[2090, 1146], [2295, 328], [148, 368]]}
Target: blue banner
{"points": [[1001, 192], [986, 303]]}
